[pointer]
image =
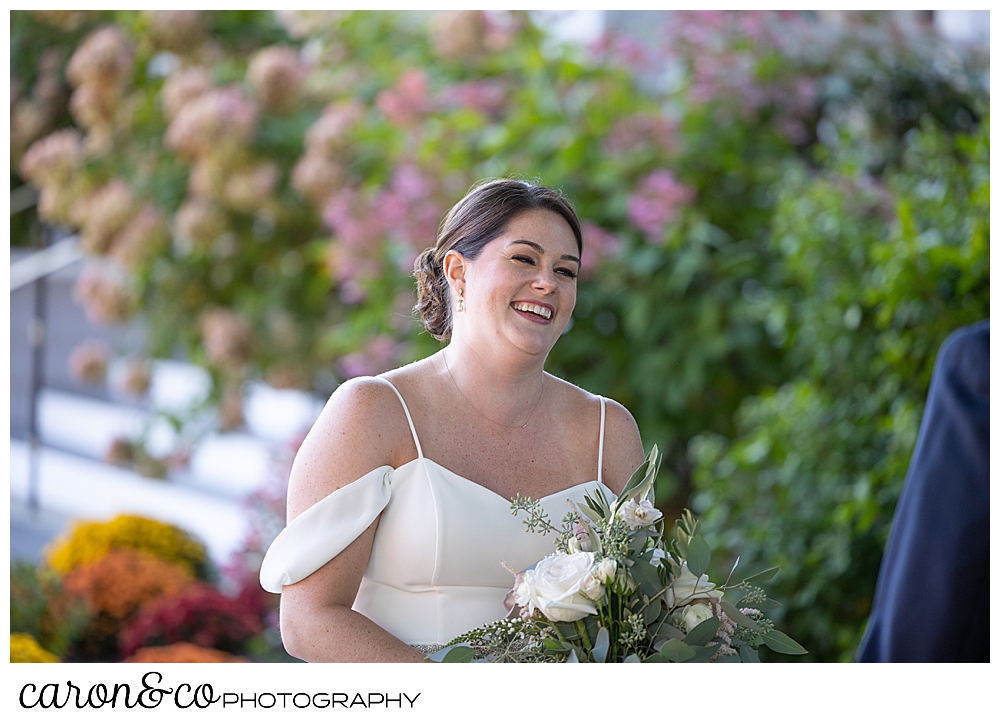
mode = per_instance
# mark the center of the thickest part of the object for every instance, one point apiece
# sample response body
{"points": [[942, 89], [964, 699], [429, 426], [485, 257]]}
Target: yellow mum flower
{"points": [[89, 541], [25, 649]]}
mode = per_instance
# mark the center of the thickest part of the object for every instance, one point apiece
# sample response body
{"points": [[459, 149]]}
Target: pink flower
{"points": [[642, 131], [656, 202], [488, 97], [597, 244], [353, 220], [406, 102]]}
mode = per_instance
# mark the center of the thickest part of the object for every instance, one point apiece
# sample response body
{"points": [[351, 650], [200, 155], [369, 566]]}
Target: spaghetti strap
{"points": [[409, 419], [600, 449]]}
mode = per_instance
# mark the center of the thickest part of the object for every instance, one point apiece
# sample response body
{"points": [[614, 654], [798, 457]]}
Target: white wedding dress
{"points": [[434, 570]]}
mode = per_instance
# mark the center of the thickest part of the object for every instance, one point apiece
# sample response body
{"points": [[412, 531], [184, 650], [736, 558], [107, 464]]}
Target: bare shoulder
{"points": [[623, 451], [362, 427]]}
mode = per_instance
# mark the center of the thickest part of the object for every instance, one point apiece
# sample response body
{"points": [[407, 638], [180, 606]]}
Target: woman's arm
{"points": [[622, 446], [361, 428]]}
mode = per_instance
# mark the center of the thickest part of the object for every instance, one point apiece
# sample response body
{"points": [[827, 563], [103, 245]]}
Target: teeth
{"points": [[534, 309]]}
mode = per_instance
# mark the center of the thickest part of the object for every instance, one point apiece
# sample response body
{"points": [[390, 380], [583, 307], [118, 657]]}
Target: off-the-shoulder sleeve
{"points": [[323, 531]]}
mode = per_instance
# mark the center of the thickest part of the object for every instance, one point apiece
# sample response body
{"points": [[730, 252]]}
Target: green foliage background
{"points": [[774, 335]]}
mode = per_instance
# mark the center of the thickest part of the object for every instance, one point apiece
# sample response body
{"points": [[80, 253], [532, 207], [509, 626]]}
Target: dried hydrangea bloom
{"points": [[317, 177], [182, 87], [94, 105], [227, 338], [143, 238], [329, 134], [108, 211], [275, 75], [105, 293], [459, 34], [197, 223], [53, 159], [88, 363], [104, 58], [132, 377], [219, 117], [249, 188], [175, 30]]}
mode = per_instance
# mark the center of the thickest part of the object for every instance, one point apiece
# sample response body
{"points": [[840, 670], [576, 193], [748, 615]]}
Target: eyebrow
{"points": [[539, 249]]}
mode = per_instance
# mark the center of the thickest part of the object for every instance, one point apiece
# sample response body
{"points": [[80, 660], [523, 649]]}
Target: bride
{"points": [[399, 498]]}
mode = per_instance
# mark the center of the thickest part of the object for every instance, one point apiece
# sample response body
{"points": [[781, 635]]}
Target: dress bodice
{"points": [[434, 571]]}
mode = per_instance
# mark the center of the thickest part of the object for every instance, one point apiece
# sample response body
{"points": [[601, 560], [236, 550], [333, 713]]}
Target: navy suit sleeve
{"points": [[932, 596]]}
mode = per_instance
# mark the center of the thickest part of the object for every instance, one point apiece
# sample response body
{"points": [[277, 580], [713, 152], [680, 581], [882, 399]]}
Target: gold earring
{"points": [[461, 301]]}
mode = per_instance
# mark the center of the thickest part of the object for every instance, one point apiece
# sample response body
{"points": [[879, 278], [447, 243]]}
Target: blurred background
{"points": [[214, 216]]}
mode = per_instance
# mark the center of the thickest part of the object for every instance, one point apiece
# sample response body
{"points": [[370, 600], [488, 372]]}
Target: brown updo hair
{"points": [[472, 223]]}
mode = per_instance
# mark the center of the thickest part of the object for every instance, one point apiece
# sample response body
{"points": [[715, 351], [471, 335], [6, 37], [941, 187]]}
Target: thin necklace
{"points": [[501, 424]]}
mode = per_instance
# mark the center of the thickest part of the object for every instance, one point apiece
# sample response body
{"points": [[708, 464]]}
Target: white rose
{"points": [[696, 614], [556, 587], [639, 514], [592, 586], [686, 588], [573, 545], [606, 570]]}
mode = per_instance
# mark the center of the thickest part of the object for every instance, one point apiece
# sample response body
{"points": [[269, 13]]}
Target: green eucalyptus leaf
{"points": [[646, 577], [460, 653], [703, 632], [748, 654], [672, 651], [572, 657], [762, 576], [632, 658], [781, 643], [699, 555], [601, 644], [731, 658], [703, 652]]}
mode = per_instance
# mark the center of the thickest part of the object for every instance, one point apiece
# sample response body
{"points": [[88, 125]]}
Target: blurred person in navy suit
{"points": [[933, 592]]}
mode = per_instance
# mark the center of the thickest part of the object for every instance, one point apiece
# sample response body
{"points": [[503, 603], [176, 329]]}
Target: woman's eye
{"points": [[524, 259], [568, 273]]}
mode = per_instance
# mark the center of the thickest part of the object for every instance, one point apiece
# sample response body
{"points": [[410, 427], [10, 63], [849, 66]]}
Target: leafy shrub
{"points": [[199, 615], [43, 610]]}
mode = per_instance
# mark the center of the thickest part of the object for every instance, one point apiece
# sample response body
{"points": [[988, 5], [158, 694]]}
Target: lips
{"points": [[535, 311]]}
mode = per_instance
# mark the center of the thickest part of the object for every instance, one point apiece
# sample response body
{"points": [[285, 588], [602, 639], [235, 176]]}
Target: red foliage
{"points": [[200, 615]]}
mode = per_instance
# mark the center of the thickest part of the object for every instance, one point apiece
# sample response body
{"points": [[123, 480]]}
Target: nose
{"points": [[545, 281]]}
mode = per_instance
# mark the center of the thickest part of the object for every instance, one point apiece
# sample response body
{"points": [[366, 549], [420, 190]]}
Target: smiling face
{"points": [[521, 289]]}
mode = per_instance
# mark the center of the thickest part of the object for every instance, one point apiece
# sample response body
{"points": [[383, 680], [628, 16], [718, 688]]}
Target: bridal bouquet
{"points": [[618, 590]]}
